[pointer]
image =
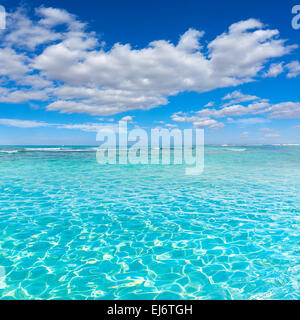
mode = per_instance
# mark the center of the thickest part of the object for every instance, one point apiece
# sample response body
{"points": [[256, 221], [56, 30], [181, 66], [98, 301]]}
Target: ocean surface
{"points": [[71, 228]]}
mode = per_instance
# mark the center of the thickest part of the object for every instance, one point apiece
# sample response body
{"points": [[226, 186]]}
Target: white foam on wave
{"points": [[60, 149], [79, 150], [42, 149], [9, 151], [235, 149]]}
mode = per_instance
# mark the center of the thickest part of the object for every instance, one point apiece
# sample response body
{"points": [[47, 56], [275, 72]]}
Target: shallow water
{"points": [[74, 229]]}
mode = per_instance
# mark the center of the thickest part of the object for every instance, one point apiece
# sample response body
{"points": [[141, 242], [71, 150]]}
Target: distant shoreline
{"points": [[206, 145]]}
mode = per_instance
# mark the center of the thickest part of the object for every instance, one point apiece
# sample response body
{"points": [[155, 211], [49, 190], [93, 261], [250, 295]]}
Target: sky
{"points": [[69, 68]]}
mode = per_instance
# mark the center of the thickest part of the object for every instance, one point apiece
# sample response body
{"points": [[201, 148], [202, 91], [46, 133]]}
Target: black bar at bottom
{"points": [[142, 309]]}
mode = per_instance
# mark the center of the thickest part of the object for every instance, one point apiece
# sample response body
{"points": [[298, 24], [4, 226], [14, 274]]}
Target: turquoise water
{"points": [[74, 229]]}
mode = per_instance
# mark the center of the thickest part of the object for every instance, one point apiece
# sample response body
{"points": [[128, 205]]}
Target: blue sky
{"points": [[230, 67]]}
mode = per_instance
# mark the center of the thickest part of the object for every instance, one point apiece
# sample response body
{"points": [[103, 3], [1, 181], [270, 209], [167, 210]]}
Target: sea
{"points": [[72, 228]]}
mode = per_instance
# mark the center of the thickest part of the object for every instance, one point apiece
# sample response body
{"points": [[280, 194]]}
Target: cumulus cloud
{"points": [[53, 17], [274, 70], [78, 75], [26, 34], [237, 97], [12, 65], [18, 96], [206, 122], [239, 113], [294, 69], [235, 110], [198, 122], [285, 110]]}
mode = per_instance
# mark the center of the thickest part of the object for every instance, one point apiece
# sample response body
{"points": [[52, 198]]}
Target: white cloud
{"points": [[24, 33], [168, 125], [294, 69], [245, 48], [206, 122], [209, 104], [274, 70], [88, 127], [79, 107], [285, 110], [12, 65], [127, 118], [23, 123], [87, 79], [208, 116], [52, 17], [198, 122], [18, 96], [235, 110], [237, 97]]}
